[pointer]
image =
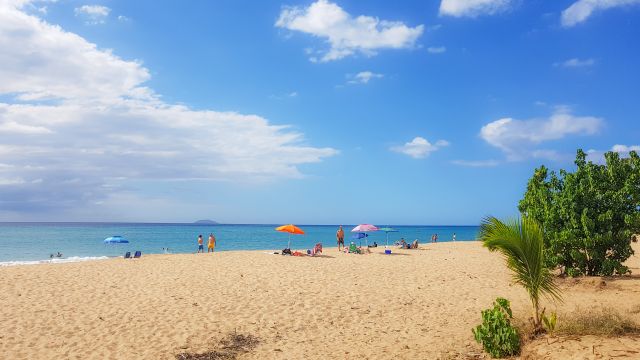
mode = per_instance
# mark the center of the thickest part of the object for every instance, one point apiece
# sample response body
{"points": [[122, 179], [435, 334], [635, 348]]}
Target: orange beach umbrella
{"points": [[291, 229]]}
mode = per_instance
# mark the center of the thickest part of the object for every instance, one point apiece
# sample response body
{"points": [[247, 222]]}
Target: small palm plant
{"points": [[521, 243]]}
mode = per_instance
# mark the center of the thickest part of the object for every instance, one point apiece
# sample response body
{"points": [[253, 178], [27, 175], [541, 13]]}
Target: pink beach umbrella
{"points": [[364, 228]]}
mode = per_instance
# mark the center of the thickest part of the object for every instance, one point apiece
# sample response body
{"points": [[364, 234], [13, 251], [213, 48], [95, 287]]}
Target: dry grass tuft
{"points": [[604, 322], [229, 349]]}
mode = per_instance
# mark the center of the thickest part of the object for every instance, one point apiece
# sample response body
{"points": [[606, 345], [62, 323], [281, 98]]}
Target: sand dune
{"points": [[416, 304]]}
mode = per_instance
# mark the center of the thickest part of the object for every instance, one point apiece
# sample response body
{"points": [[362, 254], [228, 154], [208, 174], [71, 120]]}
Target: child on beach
{"points": [[212, 243], [200, 244]]}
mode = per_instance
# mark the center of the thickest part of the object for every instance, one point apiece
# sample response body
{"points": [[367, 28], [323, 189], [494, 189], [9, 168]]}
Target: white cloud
{"points": [[123, 18], [436, 49], [419, 147], [345, 34], [581, 10], [576, 63], [624, 149], [473, 8], [61, 65], [363, 77], [518, 138], [93, 14], [476, 163], [82, 126], [597, 156], [18, 128]]}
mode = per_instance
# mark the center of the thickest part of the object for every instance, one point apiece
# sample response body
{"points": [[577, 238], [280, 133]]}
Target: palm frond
{"points": [[521, 243]]}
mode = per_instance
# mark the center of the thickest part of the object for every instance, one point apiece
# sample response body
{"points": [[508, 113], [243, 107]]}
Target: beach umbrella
{"points": [[359, 236], [291, 229], [364, 228], [387, 230], [116, 239]]}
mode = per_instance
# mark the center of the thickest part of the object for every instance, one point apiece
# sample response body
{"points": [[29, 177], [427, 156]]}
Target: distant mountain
{"points": [[205, 222]]}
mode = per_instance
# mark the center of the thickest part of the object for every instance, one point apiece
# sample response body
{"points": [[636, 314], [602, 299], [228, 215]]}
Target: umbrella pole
{"points": [[387, 239], [289, 243]]}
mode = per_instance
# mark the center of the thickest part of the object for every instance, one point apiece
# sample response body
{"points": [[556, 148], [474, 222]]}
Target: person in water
{"points": [[340, 237], [212, 243], [200, 244]]}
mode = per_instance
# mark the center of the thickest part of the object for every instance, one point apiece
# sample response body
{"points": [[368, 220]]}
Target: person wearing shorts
{"points": [[200, 244], [340, 237]]}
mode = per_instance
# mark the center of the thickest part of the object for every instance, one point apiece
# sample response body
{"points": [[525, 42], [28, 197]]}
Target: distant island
{"points": [[205, 222]]}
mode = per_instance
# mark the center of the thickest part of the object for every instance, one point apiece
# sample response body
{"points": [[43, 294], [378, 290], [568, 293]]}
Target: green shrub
{"points": [[589, 215], [496, 334]]}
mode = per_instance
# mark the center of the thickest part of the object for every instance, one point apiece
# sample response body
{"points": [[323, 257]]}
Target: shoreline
{"points": [[74, 259]]}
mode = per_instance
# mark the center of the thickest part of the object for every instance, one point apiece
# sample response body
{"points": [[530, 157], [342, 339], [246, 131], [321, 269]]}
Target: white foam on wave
{"points": [[70, 259]]}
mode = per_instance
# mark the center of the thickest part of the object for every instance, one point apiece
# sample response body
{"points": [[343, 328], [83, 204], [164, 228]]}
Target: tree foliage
{"points": [[589, 215], [521, 243]]}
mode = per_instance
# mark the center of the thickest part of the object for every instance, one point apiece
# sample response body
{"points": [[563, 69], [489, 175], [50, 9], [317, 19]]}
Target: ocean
{"points": [[27, 243]]}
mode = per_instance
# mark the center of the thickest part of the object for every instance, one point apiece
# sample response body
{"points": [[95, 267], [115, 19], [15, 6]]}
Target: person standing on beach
{"points": [[454, 236], [340, 237], [212, 243], [200, 244]]}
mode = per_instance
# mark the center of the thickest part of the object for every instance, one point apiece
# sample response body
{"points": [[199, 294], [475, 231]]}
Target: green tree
{"points": [[521, 243], [589, 215]]}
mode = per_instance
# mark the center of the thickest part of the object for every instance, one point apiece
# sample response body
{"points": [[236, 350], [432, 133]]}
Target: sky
{"points": [[325, 112]]}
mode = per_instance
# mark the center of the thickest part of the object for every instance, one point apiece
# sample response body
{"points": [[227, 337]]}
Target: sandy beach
{"points": [[414, 304]]}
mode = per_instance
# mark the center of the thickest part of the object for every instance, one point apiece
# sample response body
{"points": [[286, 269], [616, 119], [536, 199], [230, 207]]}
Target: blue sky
{"points": [[405, 112]]}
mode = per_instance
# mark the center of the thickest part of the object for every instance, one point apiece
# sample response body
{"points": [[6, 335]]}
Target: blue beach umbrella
{"points": [[359, 236], [116, 239]]}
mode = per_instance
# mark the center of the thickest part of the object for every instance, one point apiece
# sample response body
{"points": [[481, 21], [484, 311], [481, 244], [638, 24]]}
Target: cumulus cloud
{"points": [[624, 149], [93, 14], [81, 125], [518, 138], [345, 34], [363, 77], [597, 156], [473, 8], [581, 10], [436, 49], [575, 63], [419, 147]]}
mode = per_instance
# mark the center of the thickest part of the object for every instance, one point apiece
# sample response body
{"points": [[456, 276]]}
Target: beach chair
{"points": [[137, 254], [127, 255], [353, 249]]}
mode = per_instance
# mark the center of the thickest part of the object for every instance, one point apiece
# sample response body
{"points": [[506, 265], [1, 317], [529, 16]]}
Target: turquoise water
{"points": [[26, 242]]}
